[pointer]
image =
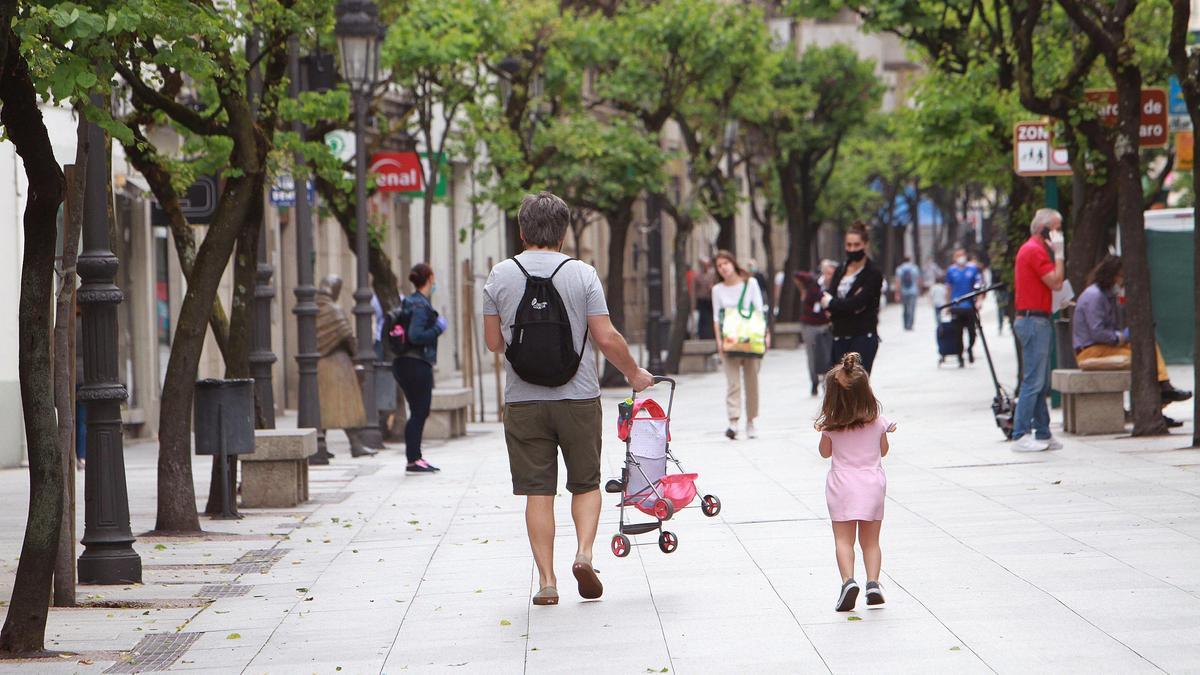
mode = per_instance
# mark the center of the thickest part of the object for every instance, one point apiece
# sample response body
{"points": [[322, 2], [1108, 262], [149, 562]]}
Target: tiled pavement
{"points": [[1083, 559]]}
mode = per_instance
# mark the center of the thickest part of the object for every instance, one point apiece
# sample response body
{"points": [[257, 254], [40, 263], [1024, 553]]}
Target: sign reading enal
{"points": [[401, 172]]}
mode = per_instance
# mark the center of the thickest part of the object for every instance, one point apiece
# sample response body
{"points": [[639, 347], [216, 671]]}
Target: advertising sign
{"points": [[198, 203], [1183, 151], [397, 172], [283, 191]]}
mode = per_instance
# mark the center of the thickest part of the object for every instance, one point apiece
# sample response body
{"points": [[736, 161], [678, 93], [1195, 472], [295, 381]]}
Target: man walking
{"points": [[1039, 272], [908, 287], [964, 278], [562, 410]]}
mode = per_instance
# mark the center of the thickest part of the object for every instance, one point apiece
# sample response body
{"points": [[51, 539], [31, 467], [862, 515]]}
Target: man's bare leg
{"points": [[585, 511], [539, 521]]}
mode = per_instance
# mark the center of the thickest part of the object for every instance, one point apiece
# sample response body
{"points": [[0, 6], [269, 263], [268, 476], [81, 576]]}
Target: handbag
{"points": [[744, 332]]}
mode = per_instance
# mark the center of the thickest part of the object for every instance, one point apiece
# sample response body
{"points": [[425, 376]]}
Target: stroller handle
{"points": [[659, 379]]}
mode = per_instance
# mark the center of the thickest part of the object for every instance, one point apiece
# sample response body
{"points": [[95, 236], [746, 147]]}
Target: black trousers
{"points": [[415, 377], [965, 318], [866, 346]]}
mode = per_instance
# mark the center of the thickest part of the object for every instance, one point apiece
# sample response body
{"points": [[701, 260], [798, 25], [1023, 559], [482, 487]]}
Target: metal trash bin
{"points": [[224, 426]]}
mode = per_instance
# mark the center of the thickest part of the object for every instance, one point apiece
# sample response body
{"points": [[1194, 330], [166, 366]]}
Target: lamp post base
{"points": [[107, 567]]}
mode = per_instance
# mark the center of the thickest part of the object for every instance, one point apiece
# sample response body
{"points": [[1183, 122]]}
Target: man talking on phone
{"points": [[1039, 272]]}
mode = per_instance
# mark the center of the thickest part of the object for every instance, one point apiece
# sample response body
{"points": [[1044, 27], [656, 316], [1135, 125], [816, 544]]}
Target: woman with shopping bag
{"points": [[742, 339]]}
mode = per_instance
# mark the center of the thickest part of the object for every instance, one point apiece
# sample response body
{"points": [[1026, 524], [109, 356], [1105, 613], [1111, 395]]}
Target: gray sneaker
{"points": [[848, 596], [875, 595]]}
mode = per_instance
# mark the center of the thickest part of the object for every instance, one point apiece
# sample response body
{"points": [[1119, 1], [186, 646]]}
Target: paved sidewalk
{"points": [[1079, 560]]}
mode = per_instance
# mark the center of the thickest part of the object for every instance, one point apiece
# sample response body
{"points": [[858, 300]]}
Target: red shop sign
{"points": [[397, 171], [1154, 124]]}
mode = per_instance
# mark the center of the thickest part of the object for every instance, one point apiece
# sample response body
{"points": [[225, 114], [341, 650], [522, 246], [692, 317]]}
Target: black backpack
{"points": [[395, 328], [542, 350]]}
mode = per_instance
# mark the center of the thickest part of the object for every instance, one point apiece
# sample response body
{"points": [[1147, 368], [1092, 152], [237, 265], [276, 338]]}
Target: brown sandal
{"points": [[590, 587], [547, 596]]}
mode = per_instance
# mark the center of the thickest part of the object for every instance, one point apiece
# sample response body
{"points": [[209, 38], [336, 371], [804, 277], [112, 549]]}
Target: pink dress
{"points": [[855, 487]]}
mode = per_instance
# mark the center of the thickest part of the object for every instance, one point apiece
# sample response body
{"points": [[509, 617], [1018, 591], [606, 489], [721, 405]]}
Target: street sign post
{"points": [[1034, 151], [1180, 119], [1155, 122], [283, 191], [198, 204]]}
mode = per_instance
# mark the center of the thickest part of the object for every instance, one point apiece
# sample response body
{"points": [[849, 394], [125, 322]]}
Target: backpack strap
{"points": [[560, 266], [520, 267]]}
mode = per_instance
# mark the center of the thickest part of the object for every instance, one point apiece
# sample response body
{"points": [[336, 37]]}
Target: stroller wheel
{"points": [[620, 545], [663, 510], [614, 486], [668, 542], [710, 505]]}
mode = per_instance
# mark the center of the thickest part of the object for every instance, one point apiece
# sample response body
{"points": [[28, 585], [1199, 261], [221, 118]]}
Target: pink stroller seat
{"points": [[678, 488]]}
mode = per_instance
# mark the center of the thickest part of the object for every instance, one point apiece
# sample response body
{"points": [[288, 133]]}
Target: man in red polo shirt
{"points": [[1039, 272]]}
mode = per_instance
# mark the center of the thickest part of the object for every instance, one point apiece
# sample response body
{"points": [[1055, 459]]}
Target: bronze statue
{"points": [[337, 379]]}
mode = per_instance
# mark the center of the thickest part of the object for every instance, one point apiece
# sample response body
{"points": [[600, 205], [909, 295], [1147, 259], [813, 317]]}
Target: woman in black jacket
{"points": [[852, 300], [413, 367]]}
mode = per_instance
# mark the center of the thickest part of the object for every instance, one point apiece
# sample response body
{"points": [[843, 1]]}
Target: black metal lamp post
{"points": [[108, 556], [262, 359], [357, 32], [309, 413], [654, 284]]}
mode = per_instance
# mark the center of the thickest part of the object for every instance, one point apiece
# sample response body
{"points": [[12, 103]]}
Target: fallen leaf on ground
{"points": [[854, 618], [956, 649], [86, 662], [505, 622], [233, 636], [160, 547]]}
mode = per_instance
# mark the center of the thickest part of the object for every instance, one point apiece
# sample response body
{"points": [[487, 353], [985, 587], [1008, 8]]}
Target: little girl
{"points": [[854, 434]]}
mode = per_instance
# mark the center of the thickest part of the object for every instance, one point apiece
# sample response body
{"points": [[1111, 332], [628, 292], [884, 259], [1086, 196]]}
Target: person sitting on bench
{"points": [[1099, 341]]}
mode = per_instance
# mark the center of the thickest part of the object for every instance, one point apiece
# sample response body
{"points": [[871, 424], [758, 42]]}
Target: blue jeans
{"points": [[866, 346], [1034, 334], [910, 309]]}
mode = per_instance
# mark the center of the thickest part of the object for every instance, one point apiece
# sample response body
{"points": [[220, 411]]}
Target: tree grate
{"points": [[258, 560], [155, 652], [223, 591]]}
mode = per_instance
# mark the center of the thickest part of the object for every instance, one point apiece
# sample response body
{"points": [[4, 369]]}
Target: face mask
{"points": [[961, 260], [433, 288], [855, 256], [1118, 289]]}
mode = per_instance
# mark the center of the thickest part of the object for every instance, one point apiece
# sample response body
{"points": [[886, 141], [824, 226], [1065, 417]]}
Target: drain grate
{"points": [[155, 652], [223, 591], [258, 560]]}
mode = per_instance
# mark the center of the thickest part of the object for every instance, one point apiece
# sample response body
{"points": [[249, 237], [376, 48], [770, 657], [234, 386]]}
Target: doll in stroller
{"points": [[645, 484]]}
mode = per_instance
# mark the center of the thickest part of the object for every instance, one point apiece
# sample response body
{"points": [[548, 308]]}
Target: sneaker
{"points": [[751, 432], [875, 595], [421, 466], [848, 596], [1030, 444], [814, 388], [1172, 423], [1052, 443], [731, 433]]}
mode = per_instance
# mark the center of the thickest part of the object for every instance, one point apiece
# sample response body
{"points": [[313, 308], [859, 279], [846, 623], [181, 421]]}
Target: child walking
{"points": [[854, 434]]}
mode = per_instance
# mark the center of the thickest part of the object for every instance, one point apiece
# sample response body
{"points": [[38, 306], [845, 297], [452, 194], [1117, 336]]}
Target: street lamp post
{"points": [[654, 283], [262, 359], [108, 556], [357, 32], [309, 413]]}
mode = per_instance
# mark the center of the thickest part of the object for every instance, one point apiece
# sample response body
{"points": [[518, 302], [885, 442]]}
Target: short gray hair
{"points": [[1042, 219], [543, 219]]}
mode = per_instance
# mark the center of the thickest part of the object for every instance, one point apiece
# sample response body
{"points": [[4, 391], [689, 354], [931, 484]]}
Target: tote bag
{"points": [[744, 331]]}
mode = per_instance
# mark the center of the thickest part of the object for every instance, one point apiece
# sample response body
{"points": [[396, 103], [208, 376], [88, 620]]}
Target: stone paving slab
{"points": [[1079, 560]]}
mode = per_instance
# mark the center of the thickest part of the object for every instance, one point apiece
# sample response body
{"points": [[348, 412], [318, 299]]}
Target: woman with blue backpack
{"points": [[412, 332]]}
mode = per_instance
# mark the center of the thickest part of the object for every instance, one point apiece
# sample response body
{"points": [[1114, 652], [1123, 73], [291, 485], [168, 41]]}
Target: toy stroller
{"points": [[645, 484]]}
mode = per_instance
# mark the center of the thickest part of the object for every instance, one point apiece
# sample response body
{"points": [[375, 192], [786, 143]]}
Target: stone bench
{"points": [[786, 335], [698, 356], [275, 475], [1093, 401], [448, 412]]}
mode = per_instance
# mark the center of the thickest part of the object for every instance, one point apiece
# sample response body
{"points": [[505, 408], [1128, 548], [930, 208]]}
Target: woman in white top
{"points": [[740, 369]]}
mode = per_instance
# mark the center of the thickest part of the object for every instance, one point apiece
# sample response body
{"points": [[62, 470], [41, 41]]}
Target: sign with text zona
{"points": [[1034, 152]]}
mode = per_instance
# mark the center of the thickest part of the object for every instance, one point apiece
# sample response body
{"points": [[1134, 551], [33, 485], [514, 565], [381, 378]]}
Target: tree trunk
{"points": [[683, 295], [726, 231], [241, 331], [1147, 398], [914, 213], [619, 219], [25, 625], [176, 493], [65, 371]]}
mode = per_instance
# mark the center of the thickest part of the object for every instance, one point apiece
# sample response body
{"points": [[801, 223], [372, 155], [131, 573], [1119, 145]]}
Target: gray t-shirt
{"points": [[583, 294]]}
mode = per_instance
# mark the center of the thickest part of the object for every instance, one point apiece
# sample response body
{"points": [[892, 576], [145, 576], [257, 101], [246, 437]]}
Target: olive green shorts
{"points": [[535, 430]]}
